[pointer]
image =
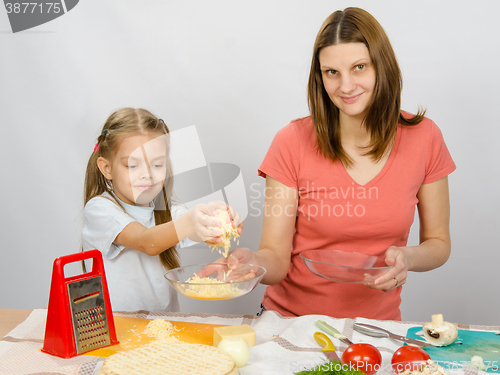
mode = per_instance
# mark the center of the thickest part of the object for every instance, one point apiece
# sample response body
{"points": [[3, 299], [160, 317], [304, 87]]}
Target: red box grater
{"points": [[79, 317]]}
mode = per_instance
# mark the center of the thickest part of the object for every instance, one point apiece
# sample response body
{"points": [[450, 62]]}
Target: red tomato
{"points": [[408, 358], [363, 357]]}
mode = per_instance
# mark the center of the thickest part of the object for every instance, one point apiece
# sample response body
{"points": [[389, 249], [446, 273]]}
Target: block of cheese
{"points": [[244, 331]]}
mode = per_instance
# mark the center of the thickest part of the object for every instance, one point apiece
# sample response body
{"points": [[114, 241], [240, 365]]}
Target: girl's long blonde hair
{"points": [[123, 123]]}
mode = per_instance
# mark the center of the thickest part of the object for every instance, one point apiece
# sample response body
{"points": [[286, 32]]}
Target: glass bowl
{"points": [[235, 283], [343, 266]]}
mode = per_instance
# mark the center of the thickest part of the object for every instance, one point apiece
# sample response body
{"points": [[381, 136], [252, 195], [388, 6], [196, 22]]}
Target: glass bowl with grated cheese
{"points": [[215, 281], [344, 266]]}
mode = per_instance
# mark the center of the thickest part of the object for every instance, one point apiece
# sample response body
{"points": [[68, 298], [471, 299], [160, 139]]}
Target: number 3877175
{"points": [[41, 7]]}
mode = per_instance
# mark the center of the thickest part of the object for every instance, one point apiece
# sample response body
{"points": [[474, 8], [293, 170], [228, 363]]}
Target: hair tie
{"points": [[161, 120], [96, 146]]}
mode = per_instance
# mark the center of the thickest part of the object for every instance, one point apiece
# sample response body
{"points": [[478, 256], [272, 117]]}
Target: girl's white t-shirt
{"points": [[135, 280]]}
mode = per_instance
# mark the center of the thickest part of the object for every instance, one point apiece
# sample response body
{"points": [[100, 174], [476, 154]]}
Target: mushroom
{"points": [[477, 361], [438, 332]]}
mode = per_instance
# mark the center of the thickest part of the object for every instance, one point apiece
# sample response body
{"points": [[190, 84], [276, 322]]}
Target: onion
{"points": [[237, 348]]}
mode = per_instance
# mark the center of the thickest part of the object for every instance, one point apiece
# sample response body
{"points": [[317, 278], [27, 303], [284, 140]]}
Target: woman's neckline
{"points": [[383, 171]]}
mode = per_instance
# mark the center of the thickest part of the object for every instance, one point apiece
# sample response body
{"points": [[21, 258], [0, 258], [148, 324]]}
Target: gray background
{"points": [[238, 72]]}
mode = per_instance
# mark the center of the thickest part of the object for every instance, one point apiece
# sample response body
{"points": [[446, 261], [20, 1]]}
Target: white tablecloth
{"points": [[284, 345]]}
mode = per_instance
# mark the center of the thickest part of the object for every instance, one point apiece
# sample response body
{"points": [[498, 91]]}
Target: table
{"points": [[284, 345], [10, 318]]}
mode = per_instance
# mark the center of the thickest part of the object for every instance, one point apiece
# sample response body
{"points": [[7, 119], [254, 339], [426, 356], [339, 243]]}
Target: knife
{"points": [[332, 331], [375, 331], [327, 346]]}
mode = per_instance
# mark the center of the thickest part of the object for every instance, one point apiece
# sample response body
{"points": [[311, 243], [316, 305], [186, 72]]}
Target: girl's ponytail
{"points": [[170, 257], [95, 182]]}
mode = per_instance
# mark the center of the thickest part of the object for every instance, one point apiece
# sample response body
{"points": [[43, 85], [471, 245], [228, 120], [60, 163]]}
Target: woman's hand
{"points": [[239, 261], [435, 244], [241, 256], [398, 258], [238, 258], [278, 227]]}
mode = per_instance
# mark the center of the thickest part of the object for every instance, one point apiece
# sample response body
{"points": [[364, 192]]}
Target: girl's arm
{"points": [[278, 226], [154, 240], [234, 218], [435, 242]]}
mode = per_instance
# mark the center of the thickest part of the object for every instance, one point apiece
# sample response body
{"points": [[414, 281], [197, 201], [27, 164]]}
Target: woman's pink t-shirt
{"points": [[334, 212]]}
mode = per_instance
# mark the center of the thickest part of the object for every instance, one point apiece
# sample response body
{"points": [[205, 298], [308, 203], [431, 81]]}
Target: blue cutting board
{"points": [[467, 345]]}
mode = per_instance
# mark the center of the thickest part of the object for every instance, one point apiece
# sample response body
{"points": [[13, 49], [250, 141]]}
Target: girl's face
{"points": [[349, 78], [139, 168]]}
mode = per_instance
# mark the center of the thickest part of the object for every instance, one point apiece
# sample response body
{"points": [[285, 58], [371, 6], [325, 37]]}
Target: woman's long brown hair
{"points": [[122, 123], [348, 26]]}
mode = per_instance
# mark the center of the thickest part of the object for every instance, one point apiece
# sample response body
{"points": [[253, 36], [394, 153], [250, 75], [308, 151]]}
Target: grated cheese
{"points": [[160, 329], [195, 279], [219, 289], [228, 232], [226, 274]]}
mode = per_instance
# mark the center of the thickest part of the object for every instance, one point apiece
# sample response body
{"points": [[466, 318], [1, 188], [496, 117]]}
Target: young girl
{"points": [[129, 215]]}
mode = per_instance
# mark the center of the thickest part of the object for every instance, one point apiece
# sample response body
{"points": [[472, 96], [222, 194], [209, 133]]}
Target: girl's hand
{"points": [[201, 222], [235, 219], [396, 276]]}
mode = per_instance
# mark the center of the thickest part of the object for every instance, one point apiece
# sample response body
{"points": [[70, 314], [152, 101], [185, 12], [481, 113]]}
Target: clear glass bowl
{"points": [[234, 283], [343, 266]]}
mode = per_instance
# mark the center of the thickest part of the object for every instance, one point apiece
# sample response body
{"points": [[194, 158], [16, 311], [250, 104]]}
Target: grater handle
{"points": [[95, 255]]}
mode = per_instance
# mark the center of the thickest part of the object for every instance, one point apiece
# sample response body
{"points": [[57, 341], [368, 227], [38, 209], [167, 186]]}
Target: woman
{"points": [[348, 178]]}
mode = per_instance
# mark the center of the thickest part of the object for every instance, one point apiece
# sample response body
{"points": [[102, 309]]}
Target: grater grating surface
{"points": [[89, 314]]}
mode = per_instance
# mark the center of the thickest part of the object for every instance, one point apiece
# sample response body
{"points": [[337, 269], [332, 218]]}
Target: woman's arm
{"points": [[434, 214], [435, 242], [278, 227]]}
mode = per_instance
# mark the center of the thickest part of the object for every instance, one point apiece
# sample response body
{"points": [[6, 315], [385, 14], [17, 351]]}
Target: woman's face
{"points": [[349, 78]]}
